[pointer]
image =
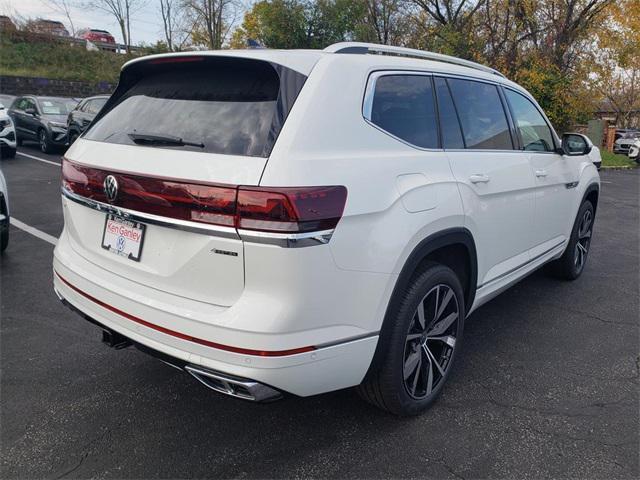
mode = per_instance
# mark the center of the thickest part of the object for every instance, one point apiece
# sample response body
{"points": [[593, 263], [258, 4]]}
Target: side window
{"points": [[21, 104], [449, 123], [534, 131], [482, 116], [28, 103], [403, 105]]}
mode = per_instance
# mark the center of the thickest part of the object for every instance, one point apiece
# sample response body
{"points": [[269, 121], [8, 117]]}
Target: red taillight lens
{"points": [[303, 209], [167, 198], [281, 210]]}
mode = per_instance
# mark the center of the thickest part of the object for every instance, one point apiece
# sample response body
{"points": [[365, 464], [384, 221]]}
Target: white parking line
{"points": [[33, 231], [33, 157]]}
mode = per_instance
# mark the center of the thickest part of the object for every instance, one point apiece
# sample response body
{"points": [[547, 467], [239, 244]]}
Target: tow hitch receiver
{"points": [[115, 340]]}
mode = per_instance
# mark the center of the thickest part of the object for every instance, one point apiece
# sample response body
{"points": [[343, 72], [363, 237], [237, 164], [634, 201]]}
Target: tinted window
{"points": [[534, 131], [403, 106], [228, 105], [484, 123], [94, 106], [449, 124]]}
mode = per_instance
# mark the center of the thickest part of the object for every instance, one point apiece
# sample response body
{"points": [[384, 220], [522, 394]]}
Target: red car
{"points": [[96, 36]]}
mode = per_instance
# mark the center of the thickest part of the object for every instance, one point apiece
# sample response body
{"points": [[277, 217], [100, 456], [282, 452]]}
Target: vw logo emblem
{"points": [[110, 187]]}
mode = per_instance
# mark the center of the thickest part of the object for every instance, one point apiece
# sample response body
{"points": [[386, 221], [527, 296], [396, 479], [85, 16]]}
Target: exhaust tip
{"points": [[233, 386]]}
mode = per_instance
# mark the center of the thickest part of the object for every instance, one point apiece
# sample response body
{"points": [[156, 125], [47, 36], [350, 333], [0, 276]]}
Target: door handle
{"points": [[541, 173], [479, 178]]}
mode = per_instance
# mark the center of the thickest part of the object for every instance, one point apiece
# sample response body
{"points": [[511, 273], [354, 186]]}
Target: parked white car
{"points": [[307, 221], [4, 214], [8, 144], [634, 150]]}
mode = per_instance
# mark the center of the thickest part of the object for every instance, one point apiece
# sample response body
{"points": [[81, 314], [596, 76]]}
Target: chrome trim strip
{"points": [[284, 240], [347, 340], [287, 240], [215, 230], [520, 266]]}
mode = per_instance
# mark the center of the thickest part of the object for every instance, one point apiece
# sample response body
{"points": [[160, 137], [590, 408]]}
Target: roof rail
{"points": [[364, 48]]}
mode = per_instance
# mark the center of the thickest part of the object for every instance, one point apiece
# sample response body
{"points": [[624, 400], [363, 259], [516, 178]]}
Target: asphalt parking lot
{"points": [[547, 385]]}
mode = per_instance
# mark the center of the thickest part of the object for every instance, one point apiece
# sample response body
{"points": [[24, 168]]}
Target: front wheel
{"points": [[43, 140], [4, 237], [572, 262], [419, 344]]}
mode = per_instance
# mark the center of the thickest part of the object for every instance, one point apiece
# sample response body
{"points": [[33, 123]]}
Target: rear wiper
{"points": [[153, 139]]}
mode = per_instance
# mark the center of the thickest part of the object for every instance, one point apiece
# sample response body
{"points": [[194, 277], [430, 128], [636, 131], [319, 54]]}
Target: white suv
{"points": [[306, 221]]}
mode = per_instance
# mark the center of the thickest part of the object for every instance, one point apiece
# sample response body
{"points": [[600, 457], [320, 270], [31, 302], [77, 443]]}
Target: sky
{"points": [[146, 24]]}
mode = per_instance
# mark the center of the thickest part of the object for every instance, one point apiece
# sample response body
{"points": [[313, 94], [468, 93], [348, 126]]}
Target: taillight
{"points": [[210, 204], [298, 210], [279, 210]]}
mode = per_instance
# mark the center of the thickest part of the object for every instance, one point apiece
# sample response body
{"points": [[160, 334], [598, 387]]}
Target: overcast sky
{"points": [[146, 24]]}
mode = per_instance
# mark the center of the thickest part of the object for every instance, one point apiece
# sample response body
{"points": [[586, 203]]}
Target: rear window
{"points": [[403, 105], [226, 105]]}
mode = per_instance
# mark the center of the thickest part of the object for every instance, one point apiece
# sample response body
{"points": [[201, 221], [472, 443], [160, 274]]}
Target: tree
{"points": [[212, 20], [121, 10], [175, 24], [616, 61]]}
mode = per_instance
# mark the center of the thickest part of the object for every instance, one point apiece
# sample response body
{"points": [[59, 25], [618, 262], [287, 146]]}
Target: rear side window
{"points": [[403, 105], [482, 116], [227, 105], [451, 133], [533, 129]]}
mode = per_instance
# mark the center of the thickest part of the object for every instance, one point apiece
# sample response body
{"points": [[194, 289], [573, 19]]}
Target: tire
{"points": [[4, 237], [406, 381], [43, 140], [8, 152], [73, 137], [571, 265]]}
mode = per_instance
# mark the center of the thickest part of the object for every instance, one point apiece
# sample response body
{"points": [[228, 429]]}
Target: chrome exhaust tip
{"points": [[233, 386]]}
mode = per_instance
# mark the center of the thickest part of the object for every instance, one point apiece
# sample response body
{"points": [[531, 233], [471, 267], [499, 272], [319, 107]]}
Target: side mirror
{"points": [[31, 111], [575, 144]]}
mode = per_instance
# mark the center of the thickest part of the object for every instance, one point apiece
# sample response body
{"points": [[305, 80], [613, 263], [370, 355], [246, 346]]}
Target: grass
{"points": [[614, 160], [33, 57]]}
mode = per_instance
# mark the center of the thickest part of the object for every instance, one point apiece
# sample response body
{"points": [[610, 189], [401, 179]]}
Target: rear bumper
{"points": [[122, 306]]}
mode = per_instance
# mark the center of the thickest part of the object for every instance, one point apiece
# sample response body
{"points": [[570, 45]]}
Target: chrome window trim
{"points": [[284, 240]]}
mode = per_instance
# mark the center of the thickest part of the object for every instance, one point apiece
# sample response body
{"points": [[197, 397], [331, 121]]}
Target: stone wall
{"points": [[10, 85]]}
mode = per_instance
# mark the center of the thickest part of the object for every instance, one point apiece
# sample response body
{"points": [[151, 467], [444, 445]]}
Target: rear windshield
{"points": [[222, 105]]}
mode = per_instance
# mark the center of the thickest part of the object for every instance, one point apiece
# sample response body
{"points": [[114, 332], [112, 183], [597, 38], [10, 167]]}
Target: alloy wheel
{"points": [[430, 341], [584, 240], [43, 141]]}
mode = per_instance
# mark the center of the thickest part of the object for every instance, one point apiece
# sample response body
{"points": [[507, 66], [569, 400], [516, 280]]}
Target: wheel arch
{"points": [[440, 247], [591, 193]]}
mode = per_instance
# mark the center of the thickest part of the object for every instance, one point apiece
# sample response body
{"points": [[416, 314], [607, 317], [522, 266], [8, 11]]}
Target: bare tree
{"points": [[63, 7], [213, 19], [386, 19], [121, 10]]}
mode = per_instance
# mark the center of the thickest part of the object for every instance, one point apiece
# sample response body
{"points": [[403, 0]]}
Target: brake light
{"points": [[267, 209], [187, 59]]}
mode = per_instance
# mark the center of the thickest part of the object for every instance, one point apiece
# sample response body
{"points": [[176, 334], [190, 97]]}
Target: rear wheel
{"points": [[420, 344], [572, 262], [7, 152]]}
